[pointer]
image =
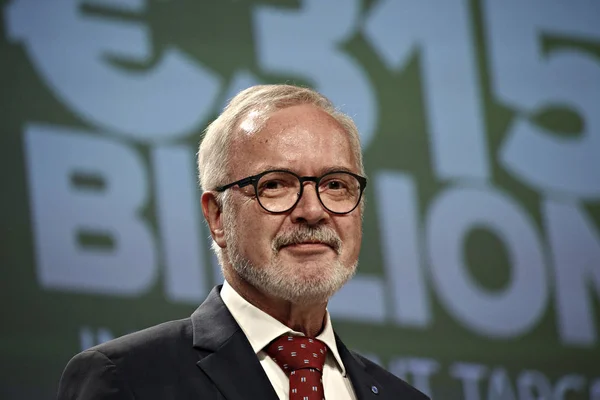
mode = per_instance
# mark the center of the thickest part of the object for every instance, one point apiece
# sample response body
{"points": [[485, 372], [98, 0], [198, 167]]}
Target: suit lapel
{"points": [[362, 381], [228, 358], [229, 361]]}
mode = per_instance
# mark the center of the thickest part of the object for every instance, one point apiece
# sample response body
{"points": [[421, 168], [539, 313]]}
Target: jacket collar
{"points": [[228, 360], [362, 382]]}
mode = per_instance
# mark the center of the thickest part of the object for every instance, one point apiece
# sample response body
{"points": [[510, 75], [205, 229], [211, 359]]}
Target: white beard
{"points": [[283, 282]]}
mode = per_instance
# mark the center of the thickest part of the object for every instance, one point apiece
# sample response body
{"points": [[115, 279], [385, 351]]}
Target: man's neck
{"points": [[306, 318]]}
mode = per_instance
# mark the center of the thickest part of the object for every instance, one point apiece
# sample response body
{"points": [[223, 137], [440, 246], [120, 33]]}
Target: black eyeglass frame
{"points": [[253, 180]]}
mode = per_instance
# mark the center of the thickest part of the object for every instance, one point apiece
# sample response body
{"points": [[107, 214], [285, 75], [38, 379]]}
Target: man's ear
{"points": [[214, 216]]}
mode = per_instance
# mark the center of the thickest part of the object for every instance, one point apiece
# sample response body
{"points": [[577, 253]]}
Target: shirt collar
{"points": [[261, 329]]}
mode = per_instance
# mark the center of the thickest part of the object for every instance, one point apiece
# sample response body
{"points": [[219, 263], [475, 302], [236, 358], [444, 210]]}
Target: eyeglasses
{"points": [[279, 191]]}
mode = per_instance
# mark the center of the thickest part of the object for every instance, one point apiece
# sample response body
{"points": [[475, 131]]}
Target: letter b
{"points": [[65, 208]]}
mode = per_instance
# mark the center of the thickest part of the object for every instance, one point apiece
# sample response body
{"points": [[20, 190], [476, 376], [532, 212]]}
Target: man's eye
{"points": [[335, 185], [272, 185]]}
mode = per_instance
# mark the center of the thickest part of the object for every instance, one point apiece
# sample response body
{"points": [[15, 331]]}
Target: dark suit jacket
{"points": [[206, 356]]}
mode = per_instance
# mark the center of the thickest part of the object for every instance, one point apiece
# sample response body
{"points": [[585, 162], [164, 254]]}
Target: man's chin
{"points": [[306, 293], [301, 281], [313, 284]]}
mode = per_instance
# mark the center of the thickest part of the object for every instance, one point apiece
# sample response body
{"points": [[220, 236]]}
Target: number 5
{"points": [[529, 80]]}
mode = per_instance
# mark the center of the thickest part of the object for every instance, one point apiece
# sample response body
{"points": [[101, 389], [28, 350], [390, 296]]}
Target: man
{"points": [[283, 179]]}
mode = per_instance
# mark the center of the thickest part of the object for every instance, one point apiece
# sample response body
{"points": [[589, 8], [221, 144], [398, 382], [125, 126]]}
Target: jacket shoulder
{"points": [[160, 339], [388, 379], [139, 362]]}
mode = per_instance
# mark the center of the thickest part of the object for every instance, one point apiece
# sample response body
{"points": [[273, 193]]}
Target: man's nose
{"points": [[309, 208]]}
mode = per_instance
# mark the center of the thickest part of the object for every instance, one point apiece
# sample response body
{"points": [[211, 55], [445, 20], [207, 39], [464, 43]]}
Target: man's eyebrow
{"points": [[322, 172], [336, 169], [270, 167]]}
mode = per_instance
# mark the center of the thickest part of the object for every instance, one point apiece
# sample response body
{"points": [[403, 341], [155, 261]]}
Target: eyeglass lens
{"points": [[278, 191]]}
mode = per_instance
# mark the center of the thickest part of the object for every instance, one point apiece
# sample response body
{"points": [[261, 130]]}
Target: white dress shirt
{"points": [[261, 329]]}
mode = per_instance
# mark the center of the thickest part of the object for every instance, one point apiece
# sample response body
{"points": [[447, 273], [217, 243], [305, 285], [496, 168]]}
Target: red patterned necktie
{"points": [[302, 359]]}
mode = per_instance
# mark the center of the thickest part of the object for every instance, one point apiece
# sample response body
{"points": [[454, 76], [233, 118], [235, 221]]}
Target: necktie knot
{"points": [[293, 353]]}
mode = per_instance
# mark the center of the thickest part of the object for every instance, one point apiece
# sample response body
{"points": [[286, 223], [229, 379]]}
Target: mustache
{"points": [[304, 234]]}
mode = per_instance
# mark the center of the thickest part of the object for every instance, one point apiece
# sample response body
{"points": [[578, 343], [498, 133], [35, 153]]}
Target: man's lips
{"points": [[307, 243], [303, 237], [308, 246]]}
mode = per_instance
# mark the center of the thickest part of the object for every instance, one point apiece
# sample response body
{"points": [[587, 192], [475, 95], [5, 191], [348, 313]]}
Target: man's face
{"points": [[308, 142]]}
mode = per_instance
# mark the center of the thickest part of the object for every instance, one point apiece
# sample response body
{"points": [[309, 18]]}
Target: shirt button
{"points": [[374, 389]]}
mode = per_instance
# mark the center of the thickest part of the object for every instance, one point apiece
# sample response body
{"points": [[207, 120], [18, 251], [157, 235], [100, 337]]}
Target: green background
{"points": [[40, 328]]}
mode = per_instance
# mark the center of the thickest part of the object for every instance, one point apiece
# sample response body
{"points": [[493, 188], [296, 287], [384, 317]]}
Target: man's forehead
{"points": [[262, 122], [288, 137], [252, 122]]}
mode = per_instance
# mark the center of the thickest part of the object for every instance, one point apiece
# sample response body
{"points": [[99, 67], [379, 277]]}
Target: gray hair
{"points": [[213, 153]]}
